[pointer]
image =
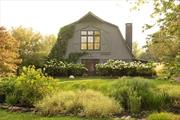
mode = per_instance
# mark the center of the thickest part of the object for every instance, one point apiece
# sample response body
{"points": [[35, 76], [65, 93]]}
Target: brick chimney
{"points": [[129, 35]]}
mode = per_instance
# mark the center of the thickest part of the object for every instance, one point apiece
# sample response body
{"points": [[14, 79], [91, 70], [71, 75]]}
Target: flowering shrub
{"points": [[120, 68], [59, 68]]}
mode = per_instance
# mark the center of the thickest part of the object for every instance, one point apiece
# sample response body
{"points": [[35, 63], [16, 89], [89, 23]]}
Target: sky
{"points": [[48, 16]]}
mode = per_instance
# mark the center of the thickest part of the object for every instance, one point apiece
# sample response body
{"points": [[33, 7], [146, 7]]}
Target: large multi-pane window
{"points": [[90, 40]]}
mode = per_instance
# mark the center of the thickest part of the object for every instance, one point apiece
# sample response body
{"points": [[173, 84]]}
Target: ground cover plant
{"points": [[163, 116]]}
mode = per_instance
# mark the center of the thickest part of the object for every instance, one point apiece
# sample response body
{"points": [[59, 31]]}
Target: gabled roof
{"points": [[92, 15]]}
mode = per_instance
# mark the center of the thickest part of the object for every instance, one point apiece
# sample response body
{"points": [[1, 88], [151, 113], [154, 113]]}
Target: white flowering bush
{"points": [[59, 68], [121, 68]]}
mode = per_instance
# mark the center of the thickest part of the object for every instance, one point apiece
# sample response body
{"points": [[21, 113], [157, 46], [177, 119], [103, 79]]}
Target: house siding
{"points": [[113, 46]]}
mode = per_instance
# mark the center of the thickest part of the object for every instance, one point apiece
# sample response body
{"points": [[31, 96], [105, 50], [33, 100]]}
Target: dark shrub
{"points": [[7, 86]]}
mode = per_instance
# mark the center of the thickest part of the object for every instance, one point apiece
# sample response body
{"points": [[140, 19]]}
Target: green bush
{"points": [[11, 99], [32, 85], [137, 95], [121, 68], [59, 68], [55, 68], [82, 103], [27, 88], [163, 116], [7, 86]]}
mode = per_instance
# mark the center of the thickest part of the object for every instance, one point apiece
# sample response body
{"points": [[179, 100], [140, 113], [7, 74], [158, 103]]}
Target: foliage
{"points": [[7, 86], [160, 69], [120, 68], [59, 68], [134, 102], [136, 95], [173, 93], [163, 116], [74, 57], [59, 49], [11, 99], [82, 103], [28, 88], [9, 56], [136, 50], [163, 45], [131, 92], [34, 47]]}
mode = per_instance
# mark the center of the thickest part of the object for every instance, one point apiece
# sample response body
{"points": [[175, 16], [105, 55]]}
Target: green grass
{"points": [[4, 115], [104, 85], [163, 116]]}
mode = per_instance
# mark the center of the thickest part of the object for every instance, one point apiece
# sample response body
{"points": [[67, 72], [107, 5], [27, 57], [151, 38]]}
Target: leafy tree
{"points": [[137, 50], [9, 56], [34, 47], [164, 45]]}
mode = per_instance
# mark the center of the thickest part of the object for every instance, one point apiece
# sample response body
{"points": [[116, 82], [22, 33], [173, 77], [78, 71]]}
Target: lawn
{"points": [[105, 85], [4, 115]]}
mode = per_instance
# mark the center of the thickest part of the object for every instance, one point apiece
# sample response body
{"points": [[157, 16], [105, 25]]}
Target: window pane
{"points": [[83, 46], [83, 32], [97, 38], [83, 39], [90, 32], [97, 33], [96, 46], [90, 38], [90, 46]]}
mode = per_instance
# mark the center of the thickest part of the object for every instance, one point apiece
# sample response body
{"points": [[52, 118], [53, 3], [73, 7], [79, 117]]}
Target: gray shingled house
{"points": [[101, 41]]}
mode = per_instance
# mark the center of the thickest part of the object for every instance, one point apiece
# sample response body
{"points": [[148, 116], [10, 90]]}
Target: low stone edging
{"points": [[16, 108]]}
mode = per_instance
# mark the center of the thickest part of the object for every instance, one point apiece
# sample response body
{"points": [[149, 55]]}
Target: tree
{"points": [[164, 45], [136, 50], [34, 47], [9, 56]]}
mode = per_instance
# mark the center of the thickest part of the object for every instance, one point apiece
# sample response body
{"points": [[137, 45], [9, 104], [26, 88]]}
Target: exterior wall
{"points": [[112, 43]]}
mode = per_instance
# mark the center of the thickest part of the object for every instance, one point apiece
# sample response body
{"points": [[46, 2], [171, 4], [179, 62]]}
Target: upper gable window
{"points": [[90, 40]]}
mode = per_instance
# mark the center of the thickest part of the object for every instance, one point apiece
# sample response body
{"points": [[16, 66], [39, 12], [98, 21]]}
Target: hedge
{"points": [[59, 68], [122, 68]]}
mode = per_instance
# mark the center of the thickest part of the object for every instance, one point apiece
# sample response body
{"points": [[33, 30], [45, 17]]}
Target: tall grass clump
{"points": [[137, 95], [86, 103], [173, 92]]}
